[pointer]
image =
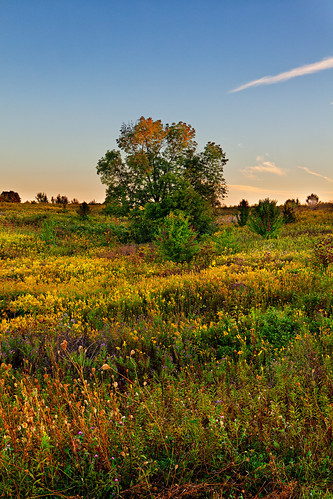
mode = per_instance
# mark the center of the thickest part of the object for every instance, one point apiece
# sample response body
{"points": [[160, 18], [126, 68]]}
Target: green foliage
{"points": [[288, 212], [204, 172], [176, 240], [265, 219], [162, 173], [48, 233], [115, 209], [226, 241], [159, 159], [278, 327], [243, 212], [97, 232], [198, 210], [83, 210], [324, 251], [145, 221]]}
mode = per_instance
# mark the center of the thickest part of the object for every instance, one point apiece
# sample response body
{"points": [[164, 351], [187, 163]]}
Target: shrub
{"points": [[312, 200], [278, 327], [83, 210], [41, 197], [115, 209], [288, 212], [62, 200], [243, 212], [145, 221], [324, 251], [195, 207], [225, 241], [266, 219], [293, 202], [176, 238]]}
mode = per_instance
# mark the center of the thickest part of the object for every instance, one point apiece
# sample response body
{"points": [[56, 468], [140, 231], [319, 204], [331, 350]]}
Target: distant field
{"points": [[125, 375]]}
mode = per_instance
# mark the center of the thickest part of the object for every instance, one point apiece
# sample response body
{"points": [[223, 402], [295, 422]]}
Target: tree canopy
{"points": [[158, 161], [10, 197]]}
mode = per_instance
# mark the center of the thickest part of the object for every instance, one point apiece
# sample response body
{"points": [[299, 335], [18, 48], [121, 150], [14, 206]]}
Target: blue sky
{"points": [[72, 71]]}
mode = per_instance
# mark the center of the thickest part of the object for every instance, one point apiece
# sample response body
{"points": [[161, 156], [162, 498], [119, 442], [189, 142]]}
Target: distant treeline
{"points": [[41, 197]]}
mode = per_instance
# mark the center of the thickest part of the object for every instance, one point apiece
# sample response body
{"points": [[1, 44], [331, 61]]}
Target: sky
{"points": [[254, 76]]}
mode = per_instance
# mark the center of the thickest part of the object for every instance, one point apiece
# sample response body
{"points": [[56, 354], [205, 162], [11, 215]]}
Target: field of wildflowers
{"points": [[125, 375]]}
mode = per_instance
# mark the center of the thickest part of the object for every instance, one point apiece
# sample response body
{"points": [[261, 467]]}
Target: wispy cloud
{"points": [[260, 190], [310, 172], [287, 75], [262, 157], [264, 167], [249, 188]]}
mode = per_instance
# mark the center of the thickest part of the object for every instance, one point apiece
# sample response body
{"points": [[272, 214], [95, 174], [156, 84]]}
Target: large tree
{"points": [[159, 160]]}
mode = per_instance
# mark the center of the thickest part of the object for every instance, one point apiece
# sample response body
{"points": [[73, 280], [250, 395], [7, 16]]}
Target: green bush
{"points": [[243, 212], [226, 241], [176, 240], [83, 210], [194, 206], [265, 219], [145, 221], [116, 209], [278, 327], [288, 212]]}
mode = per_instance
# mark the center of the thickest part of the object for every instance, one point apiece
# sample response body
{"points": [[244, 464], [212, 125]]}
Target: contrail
{"points": [[287, 75], [307, 170]]}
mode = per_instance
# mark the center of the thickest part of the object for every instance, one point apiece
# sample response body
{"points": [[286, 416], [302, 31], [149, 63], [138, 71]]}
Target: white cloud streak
{"points": [[259, 190], [310, 172], [287, 75], [249, 188], [265, 167]]}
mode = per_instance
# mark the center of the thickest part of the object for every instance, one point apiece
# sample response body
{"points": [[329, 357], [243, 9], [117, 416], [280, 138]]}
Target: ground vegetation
{"points": [[126, 374]]}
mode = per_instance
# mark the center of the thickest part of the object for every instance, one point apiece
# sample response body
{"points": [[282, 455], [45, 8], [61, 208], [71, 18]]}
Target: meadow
{"points": [[126, 375]]}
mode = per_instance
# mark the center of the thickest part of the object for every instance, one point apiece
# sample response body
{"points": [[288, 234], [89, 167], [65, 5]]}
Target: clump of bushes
{"points": [[41, 197], [146, 220], [266, 219]]}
